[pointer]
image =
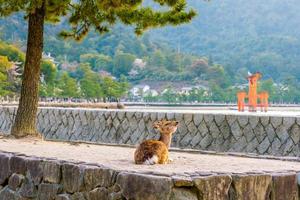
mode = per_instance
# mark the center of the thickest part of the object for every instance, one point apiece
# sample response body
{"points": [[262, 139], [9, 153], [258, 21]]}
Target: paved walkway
{"points": [[121, 158]]}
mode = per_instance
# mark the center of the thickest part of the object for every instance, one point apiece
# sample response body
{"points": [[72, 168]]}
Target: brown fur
{"points": [[149, 148]]}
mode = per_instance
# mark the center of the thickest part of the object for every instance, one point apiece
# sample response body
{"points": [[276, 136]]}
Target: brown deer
{"points": [[152, 152]]}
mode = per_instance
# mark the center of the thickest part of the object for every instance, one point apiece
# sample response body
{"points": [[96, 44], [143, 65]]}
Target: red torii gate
{"points": [[252, 96]]}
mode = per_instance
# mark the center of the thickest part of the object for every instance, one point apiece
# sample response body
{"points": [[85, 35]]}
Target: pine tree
{"points": [[83, 15]]}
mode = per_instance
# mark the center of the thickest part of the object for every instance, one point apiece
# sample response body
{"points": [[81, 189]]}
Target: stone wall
{"points": [[271, 135], [23, 178]]}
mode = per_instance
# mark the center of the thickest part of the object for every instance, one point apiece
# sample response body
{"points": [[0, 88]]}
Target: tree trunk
{"points": [[25, 121]]}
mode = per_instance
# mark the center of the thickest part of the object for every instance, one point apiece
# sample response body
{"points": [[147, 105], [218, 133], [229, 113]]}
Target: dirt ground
{"points": [[121, 158]]}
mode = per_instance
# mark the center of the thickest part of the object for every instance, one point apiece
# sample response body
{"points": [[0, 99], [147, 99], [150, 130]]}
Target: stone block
{"points": [[208, 118], [97, 177], [251, 187], [144, 187], [28, 189], [225, 129], [253, 121], [259, 132], [295, 133], [213, 187], [78, 196], [17, 165], [196, 139], [63, 197], [48, 191], [251, 146], [5, 171], [15, 180], [72, 177], [198, 119], [248, 133], [288, 121], [230, 119], [8, 194], [51, 171], [236, 130], [243, 120], [206, 141], [284, 186], [263, 146], [275, 121], [34, 169], [183, 194], [203, 128], [182, 181], [282, 133], [98, 193]]}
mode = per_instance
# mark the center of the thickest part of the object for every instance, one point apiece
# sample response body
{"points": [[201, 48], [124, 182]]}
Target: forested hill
{"points": [[256, 35], [240, 35], [216, 50]]}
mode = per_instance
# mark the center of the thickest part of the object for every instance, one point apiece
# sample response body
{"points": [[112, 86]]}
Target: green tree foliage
{"points": [[49, 71], [67, 86], [123, 63], [11, 52], [97, 61], [90, 83], [5, 65]]}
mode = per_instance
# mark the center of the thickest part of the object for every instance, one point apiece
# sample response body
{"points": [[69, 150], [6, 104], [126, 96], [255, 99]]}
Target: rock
{"points": [[206, 141], [288, 121], [51, 171], [183, 194], [72, 177], [28, 189], [17, 165], [97, 177], [8, 194], [219, 119], [248, 133], [236, 130], [115, 196], [78, 196], [35, 169], [295, 133], [197, 119], [284, 186], [98, 193], [182, 181], [63, 197], [213, 187], [276, 121], [253, 120], [208, 118], [282, 133], [243, 120], [144, 187], [230, 119], [4, 168], [260, 132], [251, 186], [263, 146], [15, 181], [48, 191]]}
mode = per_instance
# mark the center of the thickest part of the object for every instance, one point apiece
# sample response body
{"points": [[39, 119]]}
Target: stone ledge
{"points": [[31, 177], [263, 134], [34, 173]]}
